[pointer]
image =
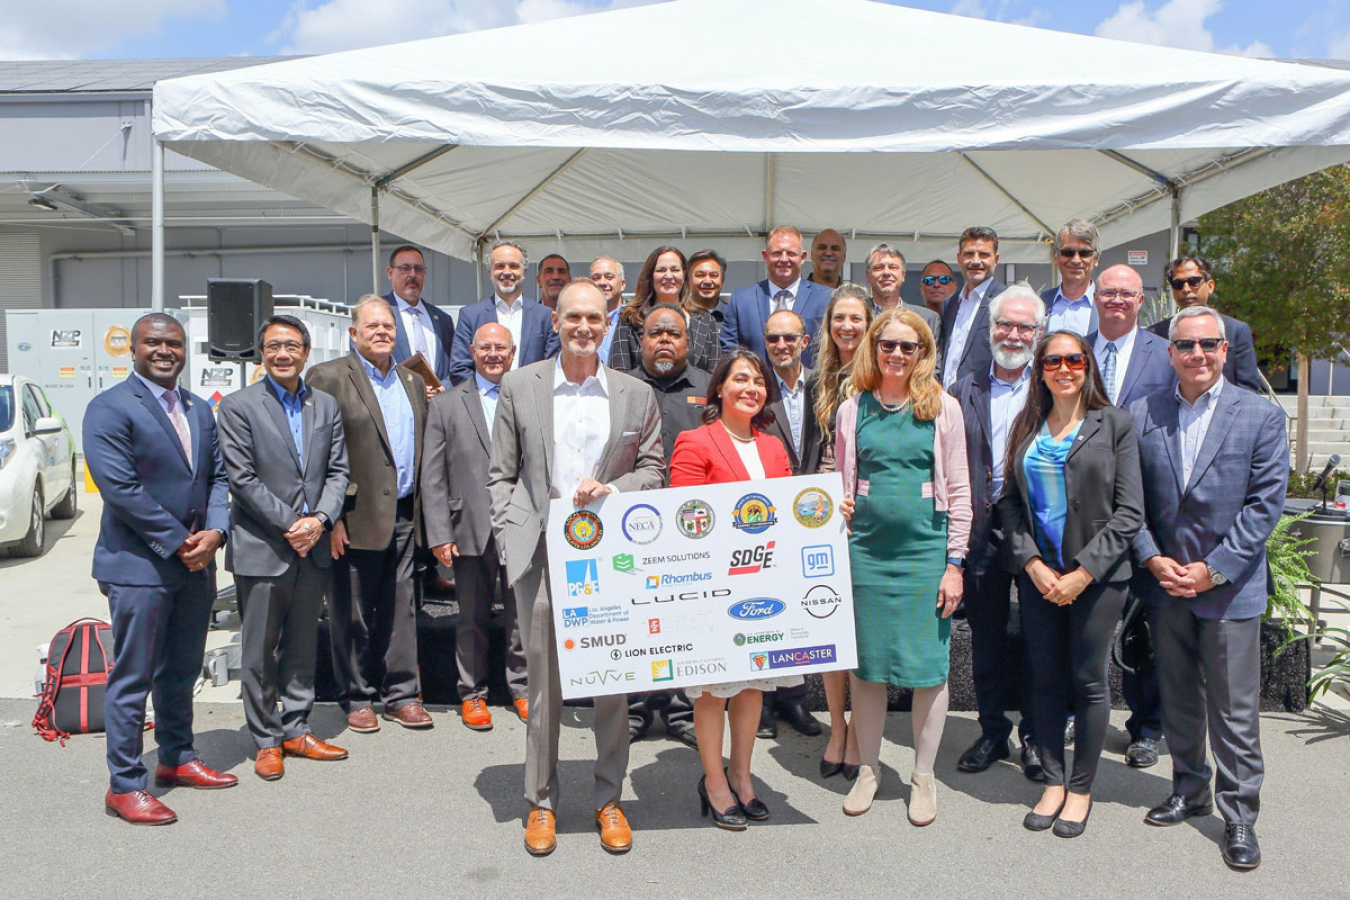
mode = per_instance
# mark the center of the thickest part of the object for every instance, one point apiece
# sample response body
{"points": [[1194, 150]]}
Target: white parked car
{"points": [[37, 466]]}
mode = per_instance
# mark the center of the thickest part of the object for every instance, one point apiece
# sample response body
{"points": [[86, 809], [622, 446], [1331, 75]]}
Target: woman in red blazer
{"points": [[731, 446]]}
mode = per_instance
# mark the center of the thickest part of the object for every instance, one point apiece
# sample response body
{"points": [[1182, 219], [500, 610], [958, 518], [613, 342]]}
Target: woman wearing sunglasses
{"points": [[901, 448], [1070, 507]]}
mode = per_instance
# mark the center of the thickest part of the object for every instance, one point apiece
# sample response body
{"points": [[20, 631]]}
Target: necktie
{"points": [[180, 424], [1109, 371], [419, 337], [781, 300]]}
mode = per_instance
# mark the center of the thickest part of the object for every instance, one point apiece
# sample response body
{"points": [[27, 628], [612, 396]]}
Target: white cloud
{"points": [[1176, 23], [347, 24], [70, 29], [1001, 11]]}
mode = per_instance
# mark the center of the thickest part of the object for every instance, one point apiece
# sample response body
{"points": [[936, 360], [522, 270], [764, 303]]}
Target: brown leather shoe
{"points": [[615, 835], [410, 715], [474, 714], [138, 808], [522, 706], [194, 775], [363, 721], [541, 831], [307, 746], [269, 764]]}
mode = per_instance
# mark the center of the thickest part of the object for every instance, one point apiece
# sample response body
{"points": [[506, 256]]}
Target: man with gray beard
{"points": [[990, 401]]}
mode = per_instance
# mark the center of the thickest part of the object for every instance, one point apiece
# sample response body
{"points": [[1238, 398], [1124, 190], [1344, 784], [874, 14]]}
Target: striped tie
{"points": [[1109, 371]]}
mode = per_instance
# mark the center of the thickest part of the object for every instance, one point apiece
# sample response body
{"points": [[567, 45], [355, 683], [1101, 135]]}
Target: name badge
{"points": [[696, 401], [926, 490]]}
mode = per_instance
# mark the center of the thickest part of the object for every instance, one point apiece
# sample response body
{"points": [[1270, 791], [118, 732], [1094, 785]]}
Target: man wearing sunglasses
{"points": [[936, 284], [965, 316], [422, 327], [1215, 463], [1077, 252], [1192, 281], [1133, 364]]}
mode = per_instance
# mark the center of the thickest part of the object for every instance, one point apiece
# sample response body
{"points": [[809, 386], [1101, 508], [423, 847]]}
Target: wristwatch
{"points": [[326, 522], [1216, 576]]}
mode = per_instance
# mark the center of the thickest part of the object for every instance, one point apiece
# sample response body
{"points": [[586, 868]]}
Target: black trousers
{"points": [[373, 621], [1070, 648], [674, 707], [1141, 691], [988, 604]]}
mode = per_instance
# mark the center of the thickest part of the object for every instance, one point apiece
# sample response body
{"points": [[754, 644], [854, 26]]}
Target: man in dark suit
{"points": [[372, 611], [965, 316], [1192, 281], [885, 272], [1069, 307], [422, 327], [750, 307], [1133, 364], [1215, 461], [990, 402], [937, 282], [529, 323], [456, 509], [286, 459], [150, 447]]}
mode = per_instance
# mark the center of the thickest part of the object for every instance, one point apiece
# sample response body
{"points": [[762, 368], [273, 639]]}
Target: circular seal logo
{"points": [[812, 507], [117, 341], [642, 524], [583, 529], [695, 519], [753, 514], [739, 639]]}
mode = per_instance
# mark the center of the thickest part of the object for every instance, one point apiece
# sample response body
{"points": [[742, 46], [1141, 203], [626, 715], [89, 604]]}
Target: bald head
{"points": [[1119, 297], [493, 351], [827, 257]]}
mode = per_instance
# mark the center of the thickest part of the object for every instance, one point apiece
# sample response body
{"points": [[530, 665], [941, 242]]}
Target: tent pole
{"points": [[478, 267], [768, 192], [374, 239], [1176, 220], [156, 226]]}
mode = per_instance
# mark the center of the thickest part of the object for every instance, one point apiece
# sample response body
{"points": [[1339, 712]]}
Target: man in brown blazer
{"points": [[372, 612]]}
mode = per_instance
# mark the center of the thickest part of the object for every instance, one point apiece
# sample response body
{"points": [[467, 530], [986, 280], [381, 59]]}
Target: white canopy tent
{"points": [[706, 122]]}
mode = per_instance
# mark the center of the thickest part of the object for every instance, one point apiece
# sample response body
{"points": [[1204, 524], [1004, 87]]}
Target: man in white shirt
{"points": [[528, 322], [1070, 306], [965, 316]]}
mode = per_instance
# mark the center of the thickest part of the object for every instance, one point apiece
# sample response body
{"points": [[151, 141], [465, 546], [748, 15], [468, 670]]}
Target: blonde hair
{"points": [[832, 381], [924, 390]]}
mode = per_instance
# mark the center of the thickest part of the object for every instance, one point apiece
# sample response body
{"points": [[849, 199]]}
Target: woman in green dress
{"points": [[900, 446]]}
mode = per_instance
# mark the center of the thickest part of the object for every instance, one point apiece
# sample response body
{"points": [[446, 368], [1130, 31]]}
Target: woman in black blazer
{"points": [[1071, 505]]}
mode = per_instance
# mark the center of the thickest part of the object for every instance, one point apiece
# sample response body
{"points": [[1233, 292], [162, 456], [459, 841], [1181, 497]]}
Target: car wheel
{"points": [[70, 503], [31, 545]]}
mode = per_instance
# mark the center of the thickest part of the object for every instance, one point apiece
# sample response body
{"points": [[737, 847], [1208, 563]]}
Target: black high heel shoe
{"points": [[755, 810], [830, 768], [731, 818], [850, 771]]}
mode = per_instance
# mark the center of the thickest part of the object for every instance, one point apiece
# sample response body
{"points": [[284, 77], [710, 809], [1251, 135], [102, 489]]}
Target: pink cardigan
{"points": [[951, 473]]}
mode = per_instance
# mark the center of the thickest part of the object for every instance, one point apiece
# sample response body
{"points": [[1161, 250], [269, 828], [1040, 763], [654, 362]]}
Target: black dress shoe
{"points": [[684, 733], [637, 729], [1034, 821], [768, 728], [1031, 763], [1068, 732], [1142, 753], [1175, 810], [1066, 829], [801, 719], [730, 818], [982, 754], [1240, 849]]}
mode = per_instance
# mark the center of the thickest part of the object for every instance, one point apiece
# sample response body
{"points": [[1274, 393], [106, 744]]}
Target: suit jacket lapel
{"points": [[309, 442], [544, 404], [1138, 362], [1220, 424], [619, 399], [151, 402], [277, 414], [474, 406], [1092, 423], [195, 434], [983, 401], [356, 370], [729, 455]]}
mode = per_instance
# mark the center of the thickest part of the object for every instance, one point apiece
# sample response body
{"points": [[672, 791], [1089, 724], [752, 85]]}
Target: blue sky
{"points": [[129, 29]]}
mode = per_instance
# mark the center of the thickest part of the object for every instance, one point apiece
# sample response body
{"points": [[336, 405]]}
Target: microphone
{"points": [[1332, 462]]}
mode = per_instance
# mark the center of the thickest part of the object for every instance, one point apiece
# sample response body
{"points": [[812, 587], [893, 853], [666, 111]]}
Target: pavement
{"points": [[440, 812]]}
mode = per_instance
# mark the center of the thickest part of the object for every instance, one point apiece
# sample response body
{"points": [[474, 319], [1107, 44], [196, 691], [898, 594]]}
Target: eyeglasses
{"points": [[1071, 252], [1191, 281], [1075, 361], [1024, 330], [1113, 294], [1186, 345], [782, 338], [278, 346], [887, 347], [930, 280], [673, 333], [408, 270]]}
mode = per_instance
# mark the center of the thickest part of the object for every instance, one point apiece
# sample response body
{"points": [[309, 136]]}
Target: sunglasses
{"points": [[1186, 345], [783, 338], [1192, 282], [887, 347], [930, 280], [1071, 252], [1075, 361]]}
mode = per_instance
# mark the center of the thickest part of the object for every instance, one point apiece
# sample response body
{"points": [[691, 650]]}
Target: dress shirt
{"points": [[748, 451], [1193, 424], [609, 335], [399, 424], [680, 398], [1071, 315], [1006, 399], [416, 317], [293, 405], [1124, 350], [511, 316], [792, 289], [487, 395], [965, 318], [160, 393], [794, 399], [1044, 465], [580, 428]]}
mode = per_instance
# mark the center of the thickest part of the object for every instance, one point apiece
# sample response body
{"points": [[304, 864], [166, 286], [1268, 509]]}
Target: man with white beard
{"points": [[990, 401]]}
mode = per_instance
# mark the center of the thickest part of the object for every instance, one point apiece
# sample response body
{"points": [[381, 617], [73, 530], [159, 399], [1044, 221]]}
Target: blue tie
{"points": [[1109, 371]]}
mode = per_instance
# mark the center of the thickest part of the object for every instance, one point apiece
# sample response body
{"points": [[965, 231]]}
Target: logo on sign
{"points": [[812, 508], [623, 562], [663, 670], [753, 514], [592, 643], [602, 677], [817, 561], [762, 637], [759, 661], [667, 580], [756, 609], [715, 594], [583, 578], [653, 626], [695, 519], [583, 529], [802, 656], [642, 524], [751, 561], [574, 616], [821, 601], [607, 614]]}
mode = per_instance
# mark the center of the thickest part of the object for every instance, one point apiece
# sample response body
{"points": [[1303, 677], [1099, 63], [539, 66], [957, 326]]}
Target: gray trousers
{"points": [[545, 692], [279, 638], [1209, 672], [476, 579]]}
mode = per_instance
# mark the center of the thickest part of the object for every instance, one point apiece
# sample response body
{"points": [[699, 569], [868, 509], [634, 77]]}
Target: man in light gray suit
{"points": [[286, 460], [457, 513], [612, 442], [1215, 463]]}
